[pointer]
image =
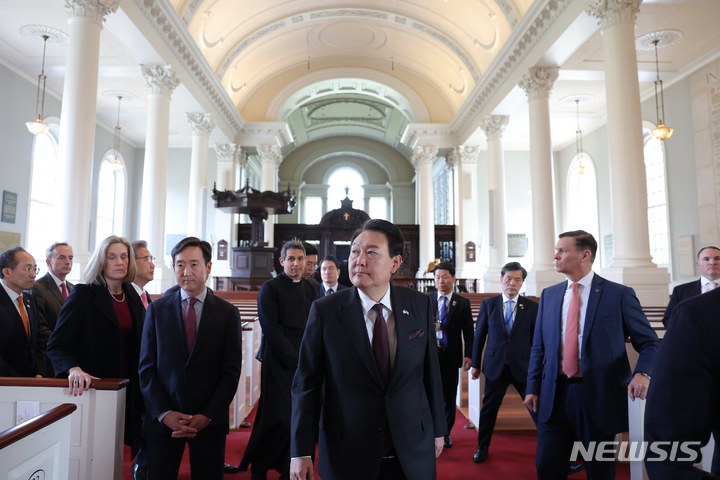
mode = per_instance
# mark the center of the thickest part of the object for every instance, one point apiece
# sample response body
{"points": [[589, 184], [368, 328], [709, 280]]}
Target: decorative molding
{"points": [[93, 9], [538, 82], [127, 97], [163, 19], [610, 12], [664, 38], [465, 155], [270, 154], [494, 126], [382, 120], [201, 124], [160, 80], [56, 38], [429, 134], [423, 156], [255, 132], [227, 152]]}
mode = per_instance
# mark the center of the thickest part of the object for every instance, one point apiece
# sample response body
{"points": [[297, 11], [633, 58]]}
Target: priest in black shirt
{"points": [[283, 308]]}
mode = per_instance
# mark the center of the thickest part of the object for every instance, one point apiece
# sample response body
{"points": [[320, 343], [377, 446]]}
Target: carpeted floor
{"points": [[512, 456]]}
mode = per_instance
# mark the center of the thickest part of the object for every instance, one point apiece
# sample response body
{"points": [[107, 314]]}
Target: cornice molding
{"points": [[201, 124], [257, 132], [93, 9]]}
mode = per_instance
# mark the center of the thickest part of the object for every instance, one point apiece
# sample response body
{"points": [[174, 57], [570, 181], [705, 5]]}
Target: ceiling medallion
{"points": [[665, 38], [36, 33], [126, 96], [580, 98]]}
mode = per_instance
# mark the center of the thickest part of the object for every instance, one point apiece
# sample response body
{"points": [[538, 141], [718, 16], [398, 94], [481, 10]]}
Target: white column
{"points": [[225, 223], [423, 159], [270, 159], [161, 82], [537, 85], [77, 135], [464, 163], [494, 126], [631, 262], [201, 124]]}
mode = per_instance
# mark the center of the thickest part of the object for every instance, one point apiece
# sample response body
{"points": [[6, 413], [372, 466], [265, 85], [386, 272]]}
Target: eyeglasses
{"points": [[31, 269], [148, 259]]}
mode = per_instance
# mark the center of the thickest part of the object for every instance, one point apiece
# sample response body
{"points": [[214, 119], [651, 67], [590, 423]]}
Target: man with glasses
{"points": [[145, 270], [22, 350]]}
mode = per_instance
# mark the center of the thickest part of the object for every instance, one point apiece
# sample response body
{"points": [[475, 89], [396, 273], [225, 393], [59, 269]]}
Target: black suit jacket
{"points": [[337, 288], [680, 293], [513, 349], [459, 326], [203, 381], [20, 356], [685, 387], [49, 301], [336, 359]]}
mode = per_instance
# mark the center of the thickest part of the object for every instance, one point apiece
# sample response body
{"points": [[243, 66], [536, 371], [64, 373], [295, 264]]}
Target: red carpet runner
{"points": [[512, 456]]}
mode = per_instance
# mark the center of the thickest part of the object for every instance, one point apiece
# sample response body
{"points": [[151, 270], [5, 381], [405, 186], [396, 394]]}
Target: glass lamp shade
{"points": [[116, 166], [579, 168], [37, 127], [662, 132]]}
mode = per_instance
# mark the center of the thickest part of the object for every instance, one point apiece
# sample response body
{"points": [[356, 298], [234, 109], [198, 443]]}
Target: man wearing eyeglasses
{"points": [[145, 270], [22, 350]]}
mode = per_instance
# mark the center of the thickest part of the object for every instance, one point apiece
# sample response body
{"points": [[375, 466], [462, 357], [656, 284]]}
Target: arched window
{"points": [[111, 198], [582, 198], [658, 229], [43, 194], [341, 178]]}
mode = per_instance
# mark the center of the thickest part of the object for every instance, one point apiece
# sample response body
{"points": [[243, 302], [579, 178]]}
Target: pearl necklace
{"points": [[113, 296]]}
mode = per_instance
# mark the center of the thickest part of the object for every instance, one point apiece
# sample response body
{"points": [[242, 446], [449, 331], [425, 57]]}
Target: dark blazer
{"points": [[513, 349], [680, 293], [613, 313], [459, 326], [87, 335], [321, 288], [202, 382], [356, 409], [684, 390], [49, 301], [20, 356]]}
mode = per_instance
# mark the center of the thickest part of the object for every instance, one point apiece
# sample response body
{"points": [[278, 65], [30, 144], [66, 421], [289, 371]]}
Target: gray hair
{"points": [[51, 248], [137, 245], [93, 273]]}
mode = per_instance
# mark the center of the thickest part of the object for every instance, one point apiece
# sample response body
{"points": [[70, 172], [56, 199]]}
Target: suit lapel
{"points": [[177, 324], [351, 317], [206, 320], [401, 314], [555, 306], [519, 311], [498, 304], [103, 301], [596, 289], [451, 307], [52, 287], [12, 312]]}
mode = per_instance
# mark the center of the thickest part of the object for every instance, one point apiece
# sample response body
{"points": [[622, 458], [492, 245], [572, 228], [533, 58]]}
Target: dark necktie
{"points": [[380, 345], [443, 322], [509, 316], [329, 292], [190, 324]]}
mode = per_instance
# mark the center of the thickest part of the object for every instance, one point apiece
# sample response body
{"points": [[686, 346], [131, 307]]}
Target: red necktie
{"points": [[63, 290], [190, 324], [143, 297], [570, 353], [380, 345]]}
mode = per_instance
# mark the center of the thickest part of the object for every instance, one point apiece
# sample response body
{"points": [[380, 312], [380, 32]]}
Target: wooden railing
{"points": [[18, 432]]}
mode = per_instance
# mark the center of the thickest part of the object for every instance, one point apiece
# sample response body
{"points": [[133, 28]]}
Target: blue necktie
{"points": [[329, 291], [509, 316], [443, 319]]}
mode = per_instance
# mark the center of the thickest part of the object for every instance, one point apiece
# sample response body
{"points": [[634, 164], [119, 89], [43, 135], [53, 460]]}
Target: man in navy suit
{"points": [[708, 262], [579, 372], [22, 349], [330, 272], [687, 364], [368, 381], [453, 322], [507, 321], [190, 365]]}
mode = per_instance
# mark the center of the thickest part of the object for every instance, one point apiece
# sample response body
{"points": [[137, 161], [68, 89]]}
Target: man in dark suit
{"points": [[368, 380], [145, 270], [507, 321], [708, 262], [683, 397], [453, 323], [22, 349], [579, 372], [52, 289], [311, 263], [330, 272], [190, 365]]}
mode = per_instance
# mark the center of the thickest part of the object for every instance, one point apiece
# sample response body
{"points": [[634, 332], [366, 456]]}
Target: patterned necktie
{"points": [[710, 286], [443, 319], [570, 353], [63, 289], [143, 297], [23, 315], [190, 324], [380, 345], [329, 292], [509, 316]]}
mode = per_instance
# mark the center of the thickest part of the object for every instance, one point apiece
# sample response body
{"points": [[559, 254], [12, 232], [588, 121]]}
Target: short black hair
{"points": [[8, 260], [331, 258], [193, 242], [309, 249], [445, 266], [583, 241], [395, 239], [512, 267], [705, 248], [291, 244]]}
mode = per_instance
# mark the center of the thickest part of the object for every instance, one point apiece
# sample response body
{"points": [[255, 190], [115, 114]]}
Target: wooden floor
{"points": [[513, 417]]}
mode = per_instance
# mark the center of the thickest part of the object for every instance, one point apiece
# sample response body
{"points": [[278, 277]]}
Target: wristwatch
{"points": [[646, 375]]}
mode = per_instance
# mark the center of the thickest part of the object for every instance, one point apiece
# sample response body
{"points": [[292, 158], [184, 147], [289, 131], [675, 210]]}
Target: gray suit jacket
{"points": [[49, 301]]}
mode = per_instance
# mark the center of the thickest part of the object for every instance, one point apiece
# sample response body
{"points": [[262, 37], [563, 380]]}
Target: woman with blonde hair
{"points": [[99, 329]]}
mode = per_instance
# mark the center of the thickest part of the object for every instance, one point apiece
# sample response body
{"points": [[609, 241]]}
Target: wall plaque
{"points": [[9, 208], [470, 252], [222, 250]]}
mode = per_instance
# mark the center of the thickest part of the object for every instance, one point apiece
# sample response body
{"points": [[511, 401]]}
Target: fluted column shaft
{"points": [[200, 125], [423, 159]]}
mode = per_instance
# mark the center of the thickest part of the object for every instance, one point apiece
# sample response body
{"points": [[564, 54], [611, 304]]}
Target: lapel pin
{"points": [[405, 312], [597, 290], [454, 303], [522, 307]]}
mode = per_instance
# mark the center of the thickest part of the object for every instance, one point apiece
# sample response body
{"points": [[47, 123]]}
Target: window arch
{"points": [[43, 195], [582, 199], [658, 228], [111, 198], [341, 178]]}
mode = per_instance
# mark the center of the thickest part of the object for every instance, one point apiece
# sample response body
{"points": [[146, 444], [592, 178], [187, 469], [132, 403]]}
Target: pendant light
{"points": [[38, 127], [579, 168], [661, 132], [115, 165]]}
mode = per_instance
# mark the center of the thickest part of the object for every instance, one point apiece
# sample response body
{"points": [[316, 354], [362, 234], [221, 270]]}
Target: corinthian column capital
{"points": [[227, 152], [160, 80], [538, 82], [201, 124], [93, 9], [464, 154], [494, 126], [270, 154], [610, 12], [423, 156]]}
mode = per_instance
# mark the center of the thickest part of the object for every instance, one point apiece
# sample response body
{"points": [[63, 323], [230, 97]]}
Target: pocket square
{"points": [[417, 334]]}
